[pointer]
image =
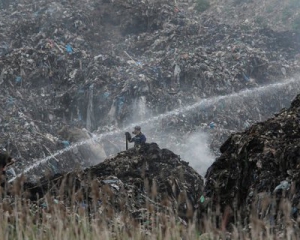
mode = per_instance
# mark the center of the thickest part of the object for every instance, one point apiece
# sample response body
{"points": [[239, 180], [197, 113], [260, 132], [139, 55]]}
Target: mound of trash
{"points": [[98, 66], [132, 181], [281, 16], [262, 161]]}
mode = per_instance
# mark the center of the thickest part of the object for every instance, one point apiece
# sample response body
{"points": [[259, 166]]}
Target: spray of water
{"points": [[184, 109]]}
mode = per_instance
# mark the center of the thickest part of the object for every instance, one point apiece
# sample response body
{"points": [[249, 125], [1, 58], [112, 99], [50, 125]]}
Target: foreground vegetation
{"points": [[68, 216]]}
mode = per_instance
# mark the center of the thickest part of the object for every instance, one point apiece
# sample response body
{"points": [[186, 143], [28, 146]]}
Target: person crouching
{"points": [[139, 139]]}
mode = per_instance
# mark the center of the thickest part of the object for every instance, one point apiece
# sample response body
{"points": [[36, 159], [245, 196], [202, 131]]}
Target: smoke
{"points": [[193, 148], [197, 152]]}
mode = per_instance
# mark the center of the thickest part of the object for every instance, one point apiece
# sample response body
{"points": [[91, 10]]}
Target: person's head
{"points": [[137, 130]]}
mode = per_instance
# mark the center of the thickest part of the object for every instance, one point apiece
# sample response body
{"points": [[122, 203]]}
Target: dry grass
{"points": [[61, 216]]}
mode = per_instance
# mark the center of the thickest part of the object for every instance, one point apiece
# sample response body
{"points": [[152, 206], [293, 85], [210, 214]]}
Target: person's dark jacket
{"points": [[138, 139]]}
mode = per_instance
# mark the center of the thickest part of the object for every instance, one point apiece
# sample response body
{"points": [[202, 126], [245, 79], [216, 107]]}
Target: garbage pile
{"points": [[88, 66], [279, 16], [247, 108], [134, 182], [259, 164]]}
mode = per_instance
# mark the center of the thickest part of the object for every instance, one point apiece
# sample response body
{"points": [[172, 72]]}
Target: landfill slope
{"points": [[130, 182], [278, 15], [91, 67], [263, 160]]}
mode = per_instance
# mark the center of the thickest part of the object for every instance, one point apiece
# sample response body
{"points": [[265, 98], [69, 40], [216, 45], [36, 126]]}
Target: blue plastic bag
{"points": [[69, 49]]}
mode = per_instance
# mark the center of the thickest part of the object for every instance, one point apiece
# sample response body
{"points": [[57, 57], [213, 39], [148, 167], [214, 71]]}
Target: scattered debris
{"points": [[148, 176], [87, 66], [262, 163]]}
